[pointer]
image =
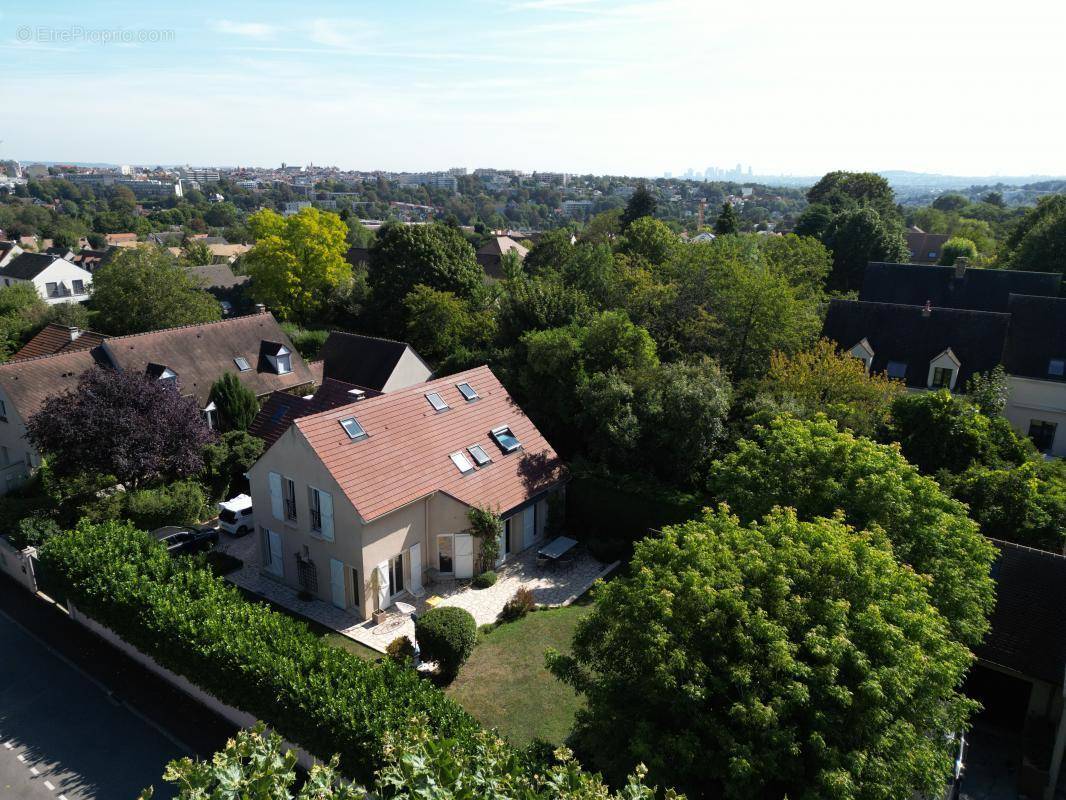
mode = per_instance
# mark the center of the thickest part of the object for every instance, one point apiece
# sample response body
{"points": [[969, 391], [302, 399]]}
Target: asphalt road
{"points": [[63, 735]]}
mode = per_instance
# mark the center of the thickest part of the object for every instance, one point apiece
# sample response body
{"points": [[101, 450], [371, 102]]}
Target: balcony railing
{"points": [[316, 519], [290, 508]]}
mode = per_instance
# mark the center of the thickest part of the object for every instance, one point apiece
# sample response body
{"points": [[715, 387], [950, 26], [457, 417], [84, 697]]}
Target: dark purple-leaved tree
{"points": [[123, 424]]}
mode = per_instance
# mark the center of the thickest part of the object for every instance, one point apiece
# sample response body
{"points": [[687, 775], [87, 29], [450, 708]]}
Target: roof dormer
{"points": [[864, 352], [944, 371]]}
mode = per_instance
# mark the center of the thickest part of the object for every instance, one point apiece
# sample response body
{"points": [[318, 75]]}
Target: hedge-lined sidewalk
{"points": [[191, 725]]}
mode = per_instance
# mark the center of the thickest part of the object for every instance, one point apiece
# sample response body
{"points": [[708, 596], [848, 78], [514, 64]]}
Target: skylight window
{"points": [[507, 441], [897, 370], [1056, 367], [462, 463], [437, 401], [242, 363], [467, 391], [353, 428], [477, 452], [279, 413]]}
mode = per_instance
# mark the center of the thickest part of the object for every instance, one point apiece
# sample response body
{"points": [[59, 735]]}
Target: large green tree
{"points": [[785, 658], [405, 256], [1039, 241], [641, 203], [143, 289], [236, 403], [297, 262], [858, 236], [819, 470], [727, 221]]}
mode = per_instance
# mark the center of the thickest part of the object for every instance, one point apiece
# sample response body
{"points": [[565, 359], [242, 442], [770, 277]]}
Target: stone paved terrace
{"points": [[556, 585]]}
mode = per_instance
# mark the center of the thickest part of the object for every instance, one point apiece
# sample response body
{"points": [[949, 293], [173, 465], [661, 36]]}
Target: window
{"points": [[242, 363], [284, 363], [396, 574], [3, 411], [897, 370], [467, 391], [941, 378], [4, 457], [279, 412], [307, 574], [932, 254], [289, 493], [481, 458], [52, 288], [1042, 433], [437, 401], [507, 441], [1056, 368], [315, 500], [353, 428], [79, 287], [461, 462]]}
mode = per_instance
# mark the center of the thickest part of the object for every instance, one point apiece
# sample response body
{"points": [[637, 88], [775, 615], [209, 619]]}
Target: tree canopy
{"points": [[727, 221], [143, 289], [785, 658], [124, 424], [641, 203], [819, 470], [297, 261]]}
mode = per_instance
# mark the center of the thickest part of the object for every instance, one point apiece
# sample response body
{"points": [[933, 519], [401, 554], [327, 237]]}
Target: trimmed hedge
{"points": [[485, 579], [321, 697], [447, 635]]}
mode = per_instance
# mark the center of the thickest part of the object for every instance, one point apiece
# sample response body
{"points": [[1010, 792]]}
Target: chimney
{"points": [[927, 309], [74, 333], [260, 308], [961, 263]]}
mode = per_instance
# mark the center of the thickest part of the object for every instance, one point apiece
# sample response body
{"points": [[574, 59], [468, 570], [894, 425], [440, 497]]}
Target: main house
{"points": [[55, 279], [253, 347], [935, 327], [360, 503]]}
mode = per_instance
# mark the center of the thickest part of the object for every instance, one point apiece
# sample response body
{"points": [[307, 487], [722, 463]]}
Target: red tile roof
{"points": [[405, 455], [53, 338]]}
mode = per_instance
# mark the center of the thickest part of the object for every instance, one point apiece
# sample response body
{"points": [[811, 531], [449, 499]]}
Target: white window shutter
{"points": [[325, 504], [384, 595], [276, 505]]}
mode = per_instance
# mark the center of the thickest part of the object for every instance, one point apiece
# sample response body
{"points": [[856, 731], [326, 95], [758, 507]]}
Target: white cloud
{"points": [[250, 30]]}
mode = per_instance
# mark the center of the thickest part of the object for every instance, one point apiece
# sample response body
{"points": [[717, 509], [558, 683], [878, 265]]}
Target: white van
{"points": [[235, 516]]}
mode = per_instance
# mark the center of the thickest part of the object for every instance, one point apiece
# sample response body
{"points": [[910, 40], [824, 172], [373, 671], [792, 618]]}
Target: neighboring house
{"points": [[121, 239], [925, 248], [490, 255], [53, 338], [229, 289], [254, 348], [92, 260], [8, 250], [360, 504], [1021, 668], [382, 365], [968, 321], [56, 279], [281, 409]]}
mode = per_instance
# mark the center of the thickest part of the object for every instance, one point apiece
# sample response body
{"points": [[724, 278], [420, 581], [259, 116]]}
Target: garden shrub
{"points": [[518, 606], [321, 697], [179, 503], [401, 650], [447, 635], [307, 342], [485, 579]]}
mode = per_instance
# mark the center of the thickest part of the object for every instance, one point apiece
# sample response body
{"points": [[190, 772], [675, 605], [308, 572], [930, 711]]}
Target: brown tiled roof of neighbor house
{"points": [[317, 368], [406, 452], [120, 238], [925, 247], [490, 255], [1028, 629], [280, 409], [200, 354], [29, 382], [217, 276], [53, 338]]}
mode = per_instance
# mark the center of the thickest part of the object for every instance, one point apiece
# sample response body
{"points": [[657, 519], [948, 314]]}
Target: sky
{"points": [[625, 87]]}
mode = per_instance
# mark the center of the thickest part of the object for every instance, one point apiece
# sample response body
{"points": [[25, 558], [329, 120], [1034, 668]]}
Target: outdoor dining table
{"points": [[557, 548]]}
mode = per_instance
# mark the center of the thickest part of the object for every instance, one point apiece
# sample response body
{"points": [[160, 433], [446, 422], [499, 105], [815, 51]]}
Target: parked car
{"points": [[235, 516], [186, 539]]}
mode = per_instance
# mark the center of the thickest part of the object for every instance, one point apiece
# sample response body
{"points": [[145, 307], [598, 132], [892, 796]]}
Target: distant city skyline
{"points": [[637, 87]]}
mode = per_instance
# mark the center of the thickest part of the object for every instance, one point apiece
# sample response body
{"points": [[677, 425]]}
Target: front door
{"points": [[273, 553], [464, 556], [336, 583], [444, 553]]}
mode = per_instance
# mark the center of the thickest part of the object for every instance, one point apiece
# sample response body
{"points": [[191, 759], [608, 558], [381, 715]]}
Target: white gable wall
{"points": [[63, 274]]}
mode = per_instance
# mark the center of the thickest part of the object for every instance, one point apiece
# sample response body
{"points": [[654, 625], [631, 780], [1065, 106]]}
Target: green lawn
{"points": [[505, 685], [352, 646]]}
